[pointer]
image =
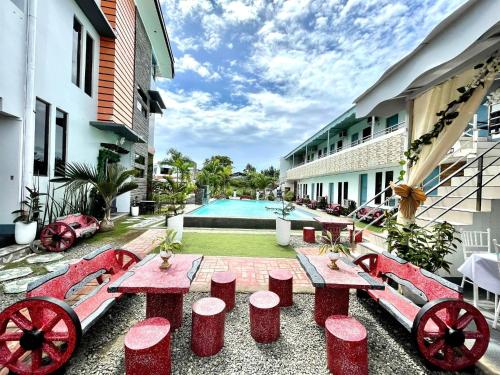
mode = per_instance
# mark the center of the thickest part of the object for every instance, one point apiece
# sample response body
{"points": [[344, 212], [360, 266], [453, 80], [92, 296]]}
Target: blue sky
{"points": [[255, 78]]}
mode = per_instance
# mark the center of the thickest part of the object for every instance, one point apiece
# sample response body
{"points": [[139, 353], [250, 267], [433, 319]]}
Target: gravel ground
{"points": [[300, 349]]}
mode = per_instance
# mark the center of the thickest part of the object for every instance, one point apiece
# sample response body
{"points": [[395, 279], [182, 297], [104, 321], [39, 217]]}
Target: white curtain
{"points": [[424, 115]]}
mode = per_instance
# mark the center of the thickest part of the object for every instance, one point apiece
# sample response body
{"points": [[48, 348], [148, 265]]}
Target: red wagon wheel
{"points": [[57, 236], [367, 262], [125, 259], [90, 220], [38, 335], [451, 334]]}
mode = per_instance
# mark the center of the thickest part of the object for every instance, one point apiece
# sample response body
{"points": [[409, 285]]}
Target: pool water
{"points": [[246, 208]]}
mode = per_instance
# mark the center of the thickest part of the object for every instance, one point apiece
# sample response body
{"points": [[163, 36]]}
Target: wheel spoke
{"points": [[16, 355], [435, 347], [433, 335], [473, 335], [47, 327], [448, 354], [441, 325], [466, 352], [56, 336], [464, 321], [452, 313], [21, 321], [36, 359], [49, 228], [52, 351], [11, 336]]}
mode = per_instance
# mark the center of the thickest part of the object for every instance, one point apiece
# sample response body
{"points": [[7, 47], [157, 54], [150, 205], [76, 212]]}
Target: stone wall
{"points": [[142, 79], [381, 152]]}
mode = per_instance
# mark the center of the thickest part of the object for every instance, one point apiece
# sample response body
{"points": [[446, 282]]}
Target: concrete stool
{"points": [[147, 348], [346, 346], [281, 283], [207, 331], [264, 316], [223, 286], [309, 235]]}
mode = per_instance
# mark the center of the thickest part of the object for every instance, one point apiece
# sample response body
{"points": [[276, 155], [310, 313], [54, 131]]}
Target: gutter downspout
{"points": [[28, 137]]}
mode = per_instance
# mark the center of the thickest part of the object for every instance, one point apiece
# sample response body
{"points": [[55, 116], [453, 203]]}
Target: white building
{"points": [[70, 86]]}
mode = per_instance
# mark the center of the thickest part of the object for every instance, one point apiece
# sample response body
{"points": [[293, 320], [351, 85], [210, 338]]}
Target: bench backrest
{"points": [[67, 280], [423, 283]]}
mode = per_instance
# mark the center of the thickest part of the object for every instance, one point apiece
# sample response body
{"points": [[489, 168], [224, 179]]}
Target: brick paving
{"points": [[146, 242]]}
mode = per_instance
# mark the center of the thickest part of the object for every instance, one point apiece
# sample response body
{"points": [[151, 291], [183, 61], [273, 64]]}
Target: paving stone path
{"points": [[18, 286], [45, 258], [15, 273]]}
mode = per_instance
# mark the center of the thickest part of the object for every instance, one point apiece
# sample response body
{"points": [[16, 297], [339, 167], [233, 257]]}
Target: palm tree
{"points": [[109, 184], [212, 175], [260, 181]]}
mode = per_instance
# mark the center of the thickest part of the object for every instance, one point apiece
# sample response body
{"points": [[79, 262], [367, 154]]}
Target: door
{"points": [[330, 192], [313, 197], [363, 188], [367, 133], [435, 180], [339, 193], [378, 187]]}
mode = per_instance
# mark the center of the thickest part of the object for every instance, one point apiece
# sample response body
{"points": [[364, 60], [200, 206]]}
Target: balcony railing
{"points": [[358, 142]]}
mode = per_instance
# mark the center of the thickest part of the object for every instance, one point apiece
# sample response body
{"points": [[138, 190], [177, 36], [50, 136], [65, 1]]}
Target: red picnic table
{"points": [[332, 286], [335, 225], [164, 289]]}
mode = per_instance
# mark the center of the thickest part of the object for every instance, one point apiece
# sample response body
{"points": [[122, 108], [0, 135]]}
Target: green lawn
{"points": [[229, 244], [122, 232], [373, 228]]}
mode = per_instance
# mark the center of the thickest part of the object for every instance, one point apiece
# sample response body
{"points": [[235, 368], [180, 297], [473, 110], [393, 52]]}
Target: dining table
{"points": [[484, 271], [164, 288], [332, 286]]}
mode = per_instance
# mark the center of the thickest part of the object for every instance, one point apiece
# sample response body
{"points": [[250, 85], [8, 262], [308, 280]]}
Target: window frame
{"points": [[88, 79], [45, 163], [64, 143], [78, 56]]}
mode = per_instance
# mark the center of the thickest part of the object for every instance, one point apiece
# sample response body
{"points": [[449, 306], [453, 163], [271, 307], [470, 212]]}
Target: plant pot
{"points": [[134, 211], [25, 233], [333, 257], [283, 230], [176, 223]]}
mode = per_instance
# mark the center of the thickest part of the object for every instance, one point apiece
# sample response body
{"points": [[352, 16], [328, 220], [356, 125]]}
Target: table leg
{"points": [[329, 301], [167, 306]]}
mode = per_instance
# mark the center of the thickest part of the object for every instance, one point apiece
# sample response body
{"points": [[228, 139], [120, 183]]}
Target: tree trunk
{"points": [[107, 224]]}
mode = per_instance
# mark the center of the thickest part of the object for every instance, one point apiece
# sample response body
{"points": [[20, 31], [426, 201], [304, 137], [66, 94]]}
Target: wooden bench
{"points": [[58, 308], [449, 332], [62, 233]]}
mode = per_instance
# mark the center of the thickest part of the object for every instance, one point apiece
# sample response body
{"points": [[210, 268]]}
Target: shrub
{"points": [[271, 197], [289, 196], [322, 203]]}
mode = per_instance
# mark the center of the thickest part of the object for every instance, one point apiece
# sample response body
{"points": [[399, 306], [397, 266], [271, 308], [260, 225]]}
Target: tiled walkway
{"points": [[251, 273]]}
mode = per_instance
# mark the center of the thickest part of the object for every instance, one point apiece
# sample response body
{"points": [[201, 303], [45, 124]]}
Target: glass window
{"points": [[77, 52], [391, 121], [140, 159], [89, 64], [354, 139], [389, 177], [60, 149], [378, 187], [367, 133], [41, 138], [339, 145]]}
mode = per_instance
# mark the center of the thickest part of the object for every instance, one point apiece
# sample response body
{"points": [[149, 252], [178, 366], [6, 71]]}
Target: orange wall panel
{"points": [[116, 64]]}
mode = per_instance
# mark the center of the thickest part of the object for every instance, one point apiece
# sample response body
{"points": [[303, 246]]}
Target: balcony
{"points": [[381, 149]]}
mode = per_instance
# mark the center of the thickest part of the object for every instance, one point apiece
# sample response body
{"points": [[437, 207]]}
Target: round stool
{"points": [[223, 286], [308, 234], [281, 283], [207, 331], [147, 348], [264, 316], [347, 336]]}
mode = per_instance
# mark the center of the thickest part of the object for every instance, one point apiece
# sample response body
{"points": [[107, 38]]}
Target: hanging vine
{"points": [[446, 116]]}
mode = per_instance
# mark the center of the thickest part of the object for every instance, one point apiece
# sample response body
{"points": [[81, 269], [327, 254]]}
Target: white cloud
{"points": [[189, 63]]}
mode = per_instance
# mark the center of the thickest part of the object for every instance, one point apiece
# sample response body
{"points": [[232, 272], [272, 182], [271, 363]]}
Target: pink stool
{"points": [[346, 346], [281, 283], [207, 332], [147, 348], [223, 286], [264, 316]]}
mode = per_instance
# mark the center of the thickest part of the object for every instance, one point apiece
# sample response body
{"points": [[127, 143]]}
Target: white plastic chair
{"points": [[497, 302], [475, 242]]}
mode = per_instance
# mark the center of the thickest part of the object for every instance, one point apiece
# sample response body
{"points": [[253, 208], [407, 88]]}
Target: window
{"points": [[389, 176], [354, 139], [325, 150], [77, 52], [319, 153], [339, 193], [367, 133], [346, 190], [339, 145], [60, 149], [332, 148], [139, 172], [391, 121], [140, 159], [41, 138], [89, 64], [378, 187]]}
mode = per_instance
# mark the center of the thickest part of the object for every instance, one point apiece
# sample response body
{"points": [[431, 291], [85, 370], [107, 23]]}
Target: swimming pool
{"points": [[246, 209]]}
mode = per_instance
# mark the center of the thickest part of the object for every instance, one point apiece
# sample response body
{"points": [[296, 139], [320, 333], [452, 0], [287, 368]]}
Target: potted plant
{"points": [[26, 222], [283, 226], [333, 249], [176, 190], [167, 248], [134, 209]]}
